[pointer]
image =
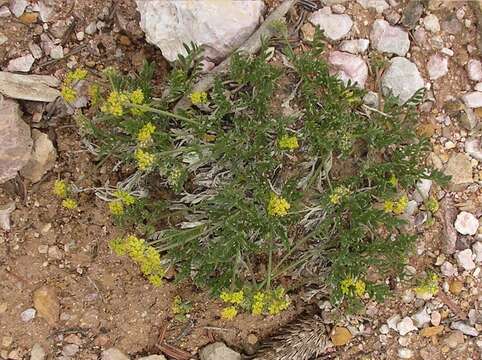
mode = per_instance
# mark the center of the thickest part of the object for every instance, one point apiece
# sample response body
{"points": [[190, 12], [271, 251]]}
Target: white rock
{"points": [[42, 159], [477, 250], [392, 321], [37, 352], [44, 10], [473, 148], [29, 87], [335, 26], [473, 99], [384, 329], [389, 39], [17, 7], [422, 190], [349, 67], [114, 354], [170, 23], [21, 64], [35, 50], [379, 5], [28, 315], [4, 12], [447, 51], [405, 353], [478, 87], [466, 329], [57, 52], [466, 223], [357, 46], [411, 208], [448, 269], [91, 28], [218, 351], [435, 318], [80, 35], [464, 259], [437, 66], [402, 79], [431, 23], [405, 326], [3, 39], [474, 70], [421, 318], [408, 296]]}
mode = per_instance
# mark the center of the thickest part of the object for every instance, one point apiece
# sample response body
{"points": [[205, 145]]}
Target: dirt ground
{"points": [[104, 301]]}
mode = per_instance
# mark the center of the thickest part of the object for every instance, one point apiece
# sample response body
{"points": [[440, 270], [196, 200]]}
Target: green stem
{"points": [[163, 112]]}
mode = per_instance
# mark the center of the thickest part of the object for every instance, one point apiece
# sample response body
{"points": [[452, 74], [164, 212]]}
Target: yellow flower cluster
{"points": [[94, 94], [229, 313], [144, 159], [236, 297], [147, 257], [429, 286], [288, 142], [351, 286], [338, 194], [137, 98], [397, 207], [144, 136], [115, 103], [77, 75], [70, 204], [61, 189], [198, 97], [67, 92], [259, 301], [274, 302], [432, 205], [393, 180], [116, 207], [278, 206]]}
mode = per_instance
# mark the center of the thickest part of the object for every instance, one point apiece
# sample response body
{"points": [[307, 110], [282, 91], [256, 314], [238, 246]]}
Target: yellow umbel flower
{"points": [[338, 194], [278, 302], [116, 208], [278, 206], [393, 180], [400, 205], [288, 142], [229, 313], [198, 97], [61, 189], [137, 97], [388, 206], [125, 197], [235, 297], [77, 75], [351, 286], [68, 94], [145, 160], [259, 301], [135, 247], [118, 246], [70, 204], [429, 286], [360, 287], [144, 136], [115, 103]]}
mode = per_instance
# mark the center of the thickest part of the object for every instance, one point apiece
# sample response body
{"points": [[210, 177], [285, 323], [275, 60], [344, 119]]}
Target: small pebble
{"points": [[28, 315]]}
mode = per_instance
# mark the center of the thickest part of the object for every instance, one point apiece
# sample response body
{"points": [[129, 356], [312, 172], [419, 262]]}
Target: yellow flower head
{"points": [[338, 194], [259, 302], [198, 97], [125, 197], [288, 142], [118, 246], [278, 206], [70, 204], [155, 280], [393, 180], [61, 189], [229, 313], [235, 297], [400, 205], [77, 75], [350, 286], [388, 206], [68, 94], [360, 288], [144, 136], [137, 97], [144, 159], [115, 103], [116, 208], [432, 205]]}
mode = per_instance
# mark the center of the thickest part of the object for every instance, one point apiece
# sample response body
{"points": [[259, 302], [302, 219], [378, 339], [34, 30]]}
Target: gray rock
{"points": [[15, 142], [55, 253], [437, 66], [412, 14], [452, 25], [405, 326], [349, 67], [477, 250], [389, 39], [371, 99], [393, 320], [421, 318], [335, 26], [114, 354], [169, 24], [37, 352], [5, 211], [4, 12], [448, 269], [464, 260], [3, 39], [35, 50], [91, 28], [29, 87], [474, 70], [402, 79], [70, 350], [44, 9], [422, 190], [42, 159], [473, 99], [379, 5], [466, 223], [459, 167], [473, 148], [17, 7], [464, 328], [357, 46], [21, 64], [57, 52], [218, 351], [478, 86], [28, 315], [431, 23]]}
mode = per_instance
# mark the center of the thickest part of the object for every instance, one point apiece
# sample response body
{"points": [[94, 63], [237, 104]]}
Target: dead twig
{"points": [[73, 52]]}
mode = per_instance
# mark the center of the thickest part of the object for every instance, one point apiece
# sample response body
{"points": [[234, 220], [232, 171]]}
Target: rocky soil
{"points": [[64, 295]]}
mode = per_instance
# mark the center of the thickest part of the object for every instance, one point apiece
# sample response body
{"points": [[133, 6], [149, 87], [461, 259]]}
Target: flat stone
{"points": [[437, 66], [57, 52], [389, 39], [29, 87], [334, 26], [378, 5], [35, 50], [464, 328], [3, 39], [474, 70], [37, 352], [114, 354], [4, 12], [42, 159], [448, 269], [431, 23], [473, 99], [21, 64], [435, 318], [405, 326], [464, 259], [402, 79], [405, 353], [15, 142], [349, 67], [46, 303], [422, 190], [412, 13], [466, 223], [421, 318], [17, 7], [218, 351], [459, 167], [473, 148], [357, 46], [28, 315]]}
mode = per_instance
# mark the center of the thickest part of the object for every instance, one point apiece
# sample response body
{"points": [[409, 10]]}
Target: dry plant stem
{"points": [[251, 46]]}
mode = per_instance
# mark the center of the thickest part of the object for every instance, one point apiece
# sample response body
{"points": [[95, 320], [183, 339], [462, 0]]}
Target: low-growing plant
{"points": [[259, 181]]}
